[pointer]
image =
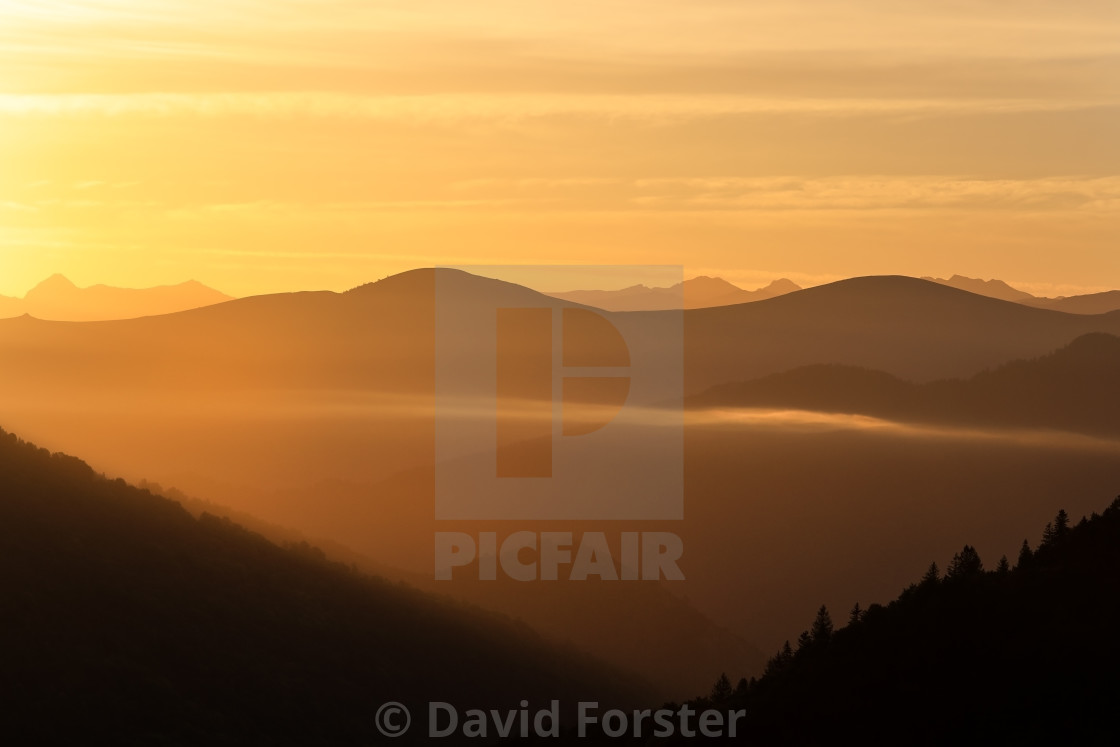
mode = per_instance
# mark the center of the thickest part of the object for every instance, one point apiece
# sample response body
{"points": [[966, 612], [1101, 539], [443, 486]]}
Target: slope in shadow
{"points": [[126, 620], [1022, 655]]}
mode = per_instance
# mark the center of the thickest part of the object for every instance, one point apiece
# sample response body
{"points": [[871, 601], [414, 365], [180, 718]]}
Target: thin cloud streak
{"points": [[811, 421], [728, 194], [460, 107]]}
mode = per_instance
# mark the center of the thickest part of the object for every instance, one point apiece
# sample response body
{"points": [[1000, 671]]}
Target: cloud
{"points": [[732, 194], [809, 421], [844, 192], [460, 107], [882, 192], [622, 27]]}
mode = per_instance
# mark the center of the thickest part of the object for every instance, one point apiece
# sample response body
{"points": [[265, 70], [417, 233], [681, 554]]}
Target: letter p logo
{"points": [[526, 379], [550, 410]]}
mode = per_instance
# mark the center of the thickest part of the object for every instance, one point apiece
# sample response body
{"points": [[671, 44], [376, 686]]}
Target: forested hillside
{"points": [[126, 619], [1023, 653]]}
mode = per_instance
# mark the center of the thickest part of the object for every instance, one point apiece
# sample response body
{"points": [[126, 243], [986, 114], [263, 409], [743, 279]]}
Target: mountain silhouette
{"points": [[913, 329], [378, 336], [315, 411], [618, 623], [1070, 389], [127, 620], [58, 299], [595, 617], [1091, 303], [1016, 655], [990, 288], [696, 293], [351, 371]]}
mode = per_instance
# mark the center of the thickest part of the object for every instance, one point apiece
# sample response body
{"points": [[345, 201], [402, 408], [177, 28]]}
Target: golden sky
{"points": [[265, 145]]}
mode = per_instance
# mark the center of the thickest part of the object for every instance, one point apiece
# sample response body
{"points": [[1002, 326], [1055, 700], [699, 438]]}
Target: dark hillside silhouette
{"points": [[1074, 388], [913, 329], [597, 618], [985, 654], [126, 620]]}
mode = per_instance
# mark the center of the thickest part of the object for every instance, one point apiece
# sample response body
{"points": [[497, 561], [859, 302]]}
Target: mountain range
{"points": [[1091, 303], [696, 293], [58, 299], [990, 288], [378, 337], [315, 411], [707, 292], [909, 328]]}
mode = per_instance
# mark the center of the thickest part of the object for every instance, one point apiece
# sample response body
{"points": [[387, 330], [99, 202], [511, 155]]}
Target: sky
{"points": [[274, 145]]}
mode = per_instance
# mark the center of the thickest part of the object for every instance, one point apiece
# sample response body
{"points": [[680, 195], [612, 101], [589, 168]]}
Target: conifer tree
{"points": [[965, 563], [742, 687], [1061, 524], [773, 666], [821, 631], [722, 690], [855, 615]]}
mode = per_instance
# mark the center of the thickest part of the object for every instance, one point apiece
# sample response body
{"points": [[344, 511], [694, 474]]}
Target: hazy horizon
{"points": [[554, 285]]}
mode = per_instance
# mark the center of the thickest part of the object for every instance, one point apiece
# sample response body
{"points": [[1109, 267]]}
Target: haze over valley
{"points": [[313, 412]]}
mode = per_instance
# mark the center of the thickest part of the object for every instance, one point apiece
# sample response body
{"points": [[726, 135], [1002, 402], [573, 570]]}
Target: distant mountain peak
{"points": [[784, 285], [992, 288], [702, 291], [56, 282], [712, 280], [58, 299], [450, 282]]}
